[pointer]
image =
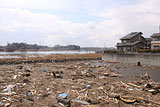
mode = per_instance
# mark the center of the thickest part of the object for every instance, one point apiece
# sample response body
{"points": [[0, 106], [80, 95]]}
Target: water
{"points": [[7, 56], [40, 53]]}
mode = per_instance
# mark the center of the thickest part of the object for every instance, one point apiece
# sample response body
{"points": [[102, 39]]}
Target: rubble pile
{"points": [[73, 84]]}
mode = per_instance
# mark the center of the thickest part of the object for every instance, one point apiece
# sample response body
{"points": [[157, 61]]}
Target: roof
{"points": [[128, 44], [155, 35], [131, 35], [148, 39]]}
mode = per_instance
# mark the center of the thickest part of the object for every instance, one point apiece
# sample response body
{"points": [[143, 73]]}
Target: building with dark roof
{"points": [[2, 48], [132, 42], [155, 43], [148, 43]]}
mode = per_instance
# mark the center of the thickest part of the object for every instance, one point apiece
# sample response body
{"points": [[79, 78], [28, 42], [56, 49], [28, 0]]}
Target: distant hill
{"points": [[96, 49], [23, 47], [68, 47], [34, 47]]}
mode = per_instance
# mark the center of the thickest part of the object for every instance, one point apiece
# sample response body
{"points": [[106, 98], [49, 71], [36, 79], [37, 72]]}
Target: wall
{"points": [[155, 43], [144, 59]]}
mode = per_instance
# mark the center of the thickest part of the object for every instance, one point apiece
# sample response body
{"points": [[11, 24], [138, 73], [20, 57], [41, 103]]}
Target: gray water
{"points": [[40, 53]]}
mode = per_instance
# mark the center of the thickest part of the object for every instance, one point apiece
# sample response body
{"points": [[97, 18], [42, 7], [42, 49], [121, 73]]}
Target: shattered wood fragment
{"points": [[128, 99], [134, 85], [84, 84]]}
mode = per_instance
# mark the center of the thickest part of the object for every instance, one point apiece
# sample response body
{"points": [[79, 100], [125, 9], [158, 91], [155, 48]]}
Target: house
{"points": [[155, 43], [1, 48], [148, 43], [132, 42]]}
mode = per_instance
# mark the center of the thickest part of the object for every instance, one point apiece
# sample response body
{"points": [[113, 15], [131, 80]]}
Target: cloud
{"points": [[144, 17], [49, 29], [19, 23], [37, 4]]}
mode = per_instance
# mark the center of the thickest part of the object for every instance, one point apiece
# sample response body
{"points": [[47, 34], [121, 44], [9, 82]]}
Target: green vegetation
{"points": [[148, 51], [22, 47], [111, 51]]}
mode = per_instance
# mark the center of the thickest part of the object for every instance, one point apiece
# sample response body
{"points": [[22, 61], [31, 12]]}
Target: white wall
{"points": [[146, 59]]}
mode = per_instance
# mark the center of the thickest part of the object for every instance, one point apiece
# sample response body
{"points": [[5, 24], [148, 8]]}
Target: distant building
{"points": [[148, 43], [155, 43], [132, 42], [68, 47], [1, 48]]}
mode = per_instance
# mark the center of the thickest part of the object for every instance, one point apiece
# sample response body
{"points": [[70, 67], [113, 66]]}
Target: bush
{"points": [[148, 51]]}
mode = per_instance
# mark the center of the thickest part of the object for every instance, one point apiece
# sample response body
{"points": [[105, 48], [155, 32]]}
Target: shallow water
{"points": [[47, 52], [4, 55]]}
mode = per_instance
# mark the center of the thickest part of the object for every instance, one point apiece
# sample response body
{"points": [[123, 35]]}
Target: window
{"points": [[128, 48], [156, 39], [124, 41], [156, 47]]}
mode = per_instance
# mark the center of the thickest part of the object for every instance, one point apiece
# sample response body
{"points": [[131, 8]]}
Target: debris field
{"points": [[73, 84]]}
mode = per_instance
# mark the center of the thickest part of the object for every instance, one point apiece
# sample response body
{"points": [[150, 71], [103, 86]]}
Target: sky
{"points": [[87, 23]]}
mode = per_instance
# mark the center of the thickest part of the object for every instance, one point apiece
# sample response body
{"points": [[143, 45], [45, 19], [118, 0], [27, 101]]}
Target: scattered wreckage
{"points": [[73, 84]]}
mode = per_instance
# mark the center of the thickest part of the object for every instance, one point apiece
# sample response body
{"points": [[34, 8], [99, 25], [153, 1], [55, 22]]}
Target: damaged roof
{"points": [[155, 35], [131, 35]]}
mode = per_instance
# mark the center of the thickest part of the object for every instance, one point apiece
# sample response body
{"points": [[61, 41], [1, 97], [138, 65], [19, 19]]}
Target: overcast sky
{"points": [[80, 22]]}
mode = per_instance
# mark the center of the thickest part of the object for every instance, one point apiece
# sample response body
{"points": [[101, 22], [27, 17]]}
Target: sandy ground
{"points": [[88, 83]]}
